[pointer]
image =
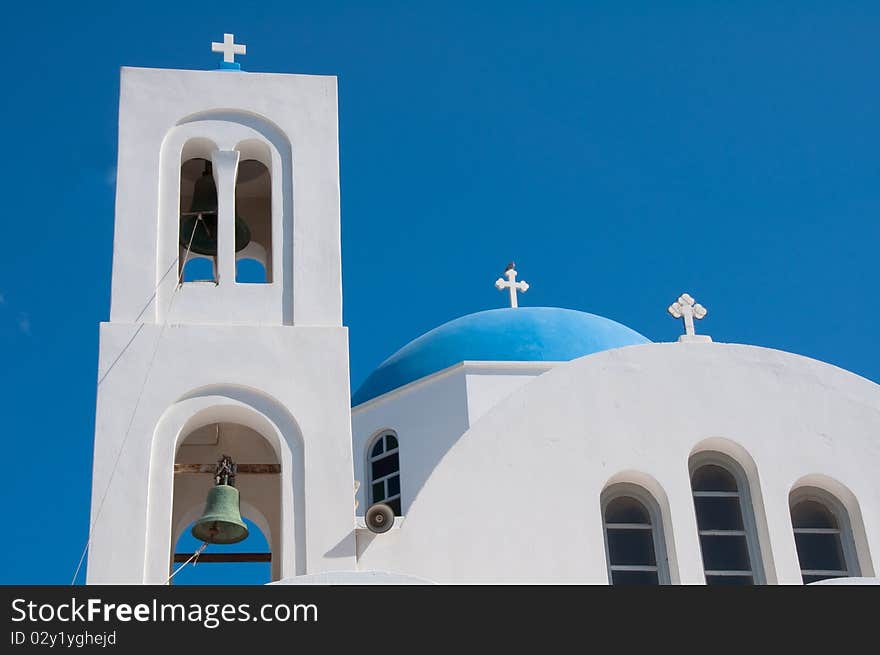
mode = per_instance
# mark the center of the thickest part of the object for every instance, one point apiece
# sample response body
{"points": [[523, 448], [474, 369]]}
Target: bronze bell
{"points": [[221, 522], [200, 222]]}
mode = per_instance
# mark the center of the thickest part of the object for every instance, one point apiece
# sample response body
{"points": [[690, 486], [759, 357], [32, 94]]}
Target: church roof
{"points": [[536, 334]]}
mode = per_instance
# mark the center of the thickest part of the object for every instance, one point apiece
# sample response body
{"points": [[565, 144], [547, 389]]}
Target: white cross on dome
{"points": [[511, 284]]}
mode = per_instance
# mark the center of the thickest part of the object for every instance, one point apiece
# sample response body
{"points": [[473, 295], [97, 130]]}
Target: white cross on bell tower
{"points": [[511, 284], [687, 309], [229, 48]]}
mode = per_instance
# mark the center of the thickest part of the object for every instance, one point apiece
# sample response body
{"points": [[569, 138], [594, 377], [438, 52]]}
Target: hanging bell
{"points": [[221, 522], [199, 224]]}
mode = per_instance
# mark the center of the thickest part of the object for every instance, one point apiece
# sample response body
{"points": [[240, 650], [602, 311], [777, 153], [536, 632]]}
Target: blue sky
{"points": [[621, 152]]}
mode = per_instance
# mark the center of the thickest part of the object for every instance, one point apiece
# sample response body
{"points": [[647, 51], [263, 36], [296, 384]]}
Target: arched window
{"points": [[258, 481], [253, 209], [384, 468], [822, 535], [726, 526], [198, 221], [633, 540]]}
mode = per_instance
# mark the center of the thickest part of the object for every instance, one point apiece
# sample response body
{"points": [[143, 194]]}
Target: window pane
{"points": [[395, 505], [729, 580], [820, 552], [718, 513], [393, 485], [385, 466], [390, 441], [377, 448], [725, 553], [634, 578], [378, 492], [812, 514], [713, 478], [625, 509], [631, 547]]}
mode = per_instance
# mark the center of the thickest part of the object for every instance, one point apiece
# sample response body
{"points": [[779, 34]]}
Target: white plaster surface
{"points": [[269, 359], [354, 578], [516, 497], [428, 417], [289, 384], [295, 118], [848, 581]]}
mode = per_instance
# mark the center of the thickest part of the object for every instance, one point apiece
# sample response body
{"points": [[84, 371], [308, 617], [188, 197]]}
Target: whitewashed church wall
{"points": [[489, 385], [427, 419], [517, 497], [297, 375], [428, 416], [300, 108]]}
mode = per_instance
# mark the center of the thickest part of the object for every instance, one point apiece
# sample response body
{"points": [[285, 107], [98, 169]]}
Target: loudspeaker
{"points": [[379, 518]]}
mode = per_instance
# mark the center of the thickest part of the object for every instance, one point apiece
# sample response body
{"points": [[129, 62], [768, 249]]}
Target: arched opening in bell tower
{"points": [[197, 230], [258, 483], [253, 203], [242, 566]]}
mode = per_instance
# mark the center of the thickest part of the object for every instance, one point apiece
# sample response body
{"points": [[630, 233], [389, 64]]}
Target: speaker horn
{"points": [[379, 518]]}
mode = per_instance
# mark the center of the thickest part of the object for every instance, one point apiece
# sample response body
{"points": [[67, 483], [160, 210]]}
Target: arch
{"points": [[249, 270], [198, 269], [197, 147], [255, 139], [195, 167], [248, 510], [253, 204], [255, 150], [253, 120], [382, 469], [628, 510], [731, 458], [260, 495], [253, 251], [845, 506], [649, 491], [223, 573], [228, 404]]}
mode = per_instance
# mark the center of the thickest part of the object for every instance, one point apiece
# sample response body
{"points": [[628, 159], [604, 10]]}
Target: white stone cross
{"points": [[511, 284], [229, 48], [686, 308]]}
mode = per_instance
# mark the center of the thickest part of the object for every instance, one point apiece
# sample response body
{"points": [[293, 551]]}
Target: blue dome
{"points": [[532, 334]]}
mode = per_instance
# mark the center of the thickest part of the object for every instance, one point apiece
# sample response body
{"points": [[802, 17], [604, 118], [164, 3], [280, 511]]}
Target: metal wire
{"points": [[136, 406], [192, 558]]}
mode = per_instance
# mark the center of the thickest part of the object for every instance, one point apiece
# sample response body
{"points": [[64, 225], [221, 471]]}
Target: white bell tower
{"points": [[225, 332]]}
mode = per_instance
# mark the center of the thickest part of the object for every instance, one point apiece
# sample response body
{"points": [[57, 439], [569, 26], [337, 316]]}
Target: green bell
{"points": [[221, 521], [200, 223]]}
